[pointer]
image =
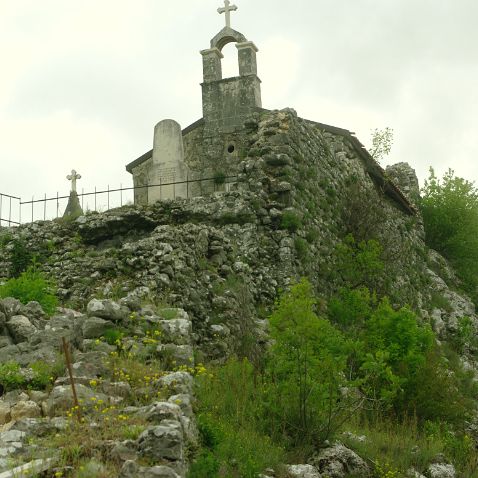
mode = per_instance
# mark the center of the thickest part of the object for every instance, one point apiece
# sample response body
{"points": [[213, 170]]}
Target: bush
{"points": [[301, 248], [113, 336], [44, 374], [450, 215], [290, 221], [219, 178], [359, 264], [31, 286], [11, 377], [305, 370], [21, 257]]}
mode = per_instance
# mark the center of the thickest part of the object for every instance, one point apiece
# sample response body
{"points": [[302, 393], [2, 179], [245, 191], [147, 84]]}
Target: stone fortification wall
{"points": [[224, 257]]}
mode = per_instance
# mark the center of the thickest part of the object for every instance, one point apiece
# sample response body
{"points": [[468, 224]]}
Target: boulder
{"points": [[177, 383], [20, 328], [176, 331], [124, 451], [160, 411], [25, 409], [339, 461], [107, 309], [163, 442], [10, 306], [440, 470], [61, 398], [94, 327]]}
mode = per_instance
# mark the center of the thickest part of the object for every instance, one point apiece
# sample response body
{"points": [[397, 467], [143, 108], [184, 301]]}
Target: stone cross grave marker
{"points": [[227, 9], [73, 177]]}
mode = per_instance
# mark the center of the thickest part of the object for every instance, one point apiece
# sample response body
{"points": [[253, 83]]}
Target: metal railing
{"points": [[19, 211], [10, 210]]}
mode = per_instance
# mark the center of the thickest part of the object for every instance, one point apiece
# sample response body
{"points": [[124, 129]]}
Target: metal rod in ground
{"points": [[66, 349]]}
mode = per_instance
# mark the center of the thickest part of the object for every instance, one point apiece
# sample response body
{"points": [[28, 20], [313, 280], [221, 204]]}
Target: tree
{"points": [[450, 215], [306, 370], [382, 141]]}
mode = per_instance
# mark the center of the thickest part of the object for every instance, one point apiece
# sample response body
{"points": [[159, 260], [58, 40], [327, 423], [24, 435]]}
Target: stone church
{"points": [[205, 156]]}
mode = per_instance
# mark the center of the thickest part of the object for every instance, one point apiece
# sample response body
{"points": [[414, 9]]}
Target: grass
{"points": [[398, 446], [232, 444]]}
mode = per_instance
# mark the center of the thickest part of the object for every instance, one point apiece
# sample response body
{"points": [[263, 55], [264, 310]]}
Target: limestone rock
{"points": [[94, 327], [303, 471], [61, 398], [117, 389], [439, 470], [338, 461], [163, 442], [106, 309], [10, 306], [176, 355], [5, 415], [133, 470], [176, 331], [177, 383], [20, 328], [28, 409], [163, 411], [125, 451]]}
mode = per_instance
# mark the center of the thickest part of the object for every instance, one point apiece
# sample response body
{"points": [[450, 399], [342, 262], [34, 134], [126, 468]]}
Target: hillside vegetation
{"points": [[309, 324]]}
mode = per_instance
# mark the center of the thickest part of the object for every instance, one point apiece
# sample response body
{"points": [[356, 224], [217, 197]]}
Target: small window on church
{"points": [[231, 148]]}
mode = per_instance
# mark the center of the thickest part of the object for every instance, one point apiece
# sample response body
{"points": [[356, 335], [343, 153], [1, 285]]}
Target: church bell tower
{"points": [[227, 102]]}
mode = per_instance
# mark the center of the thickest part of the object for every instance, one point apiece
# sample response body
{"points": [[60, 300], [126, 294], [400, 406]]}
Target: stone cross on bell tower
{"points": [[227, 9]]}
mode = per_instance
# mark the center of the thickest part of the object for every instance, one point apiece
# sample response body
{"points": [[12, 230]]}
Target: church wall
{"points": [[319, 178]]}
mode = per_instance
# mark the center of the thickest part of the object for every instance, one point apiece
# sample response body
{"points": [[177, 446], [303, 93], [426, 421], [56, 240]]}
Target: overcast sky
{"points": [[82, 83]]}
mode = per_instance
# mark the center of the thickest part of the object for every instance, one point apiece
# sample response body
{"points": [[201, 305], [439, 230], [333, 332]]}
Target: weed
{"points": [[290, 221], [31, 286]]}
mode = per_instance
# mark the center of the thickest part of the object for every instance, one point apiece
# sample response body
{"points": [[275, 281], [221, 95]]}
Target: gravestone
{"points": [[168, 166]]}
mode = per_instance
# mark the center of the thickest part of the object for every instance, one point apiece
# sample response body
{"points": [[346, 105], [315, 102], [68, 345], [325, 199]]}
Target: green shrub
{"points": [[400, 444], [464, 335], [396, 349], [219, 178], [450, 216], [312, 235], [439, 301], [21, 257], [11, 377], [301, 248], [442, 390], [290, 221], [113, 336], [305, 370], [31, 286], [359, 264], [351, 307], [43, 374]]}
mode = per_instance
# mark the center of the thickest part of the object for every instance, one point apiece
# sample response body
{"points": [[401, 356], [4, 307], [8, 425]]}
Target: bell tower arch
{"points": [[227, 102]]}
